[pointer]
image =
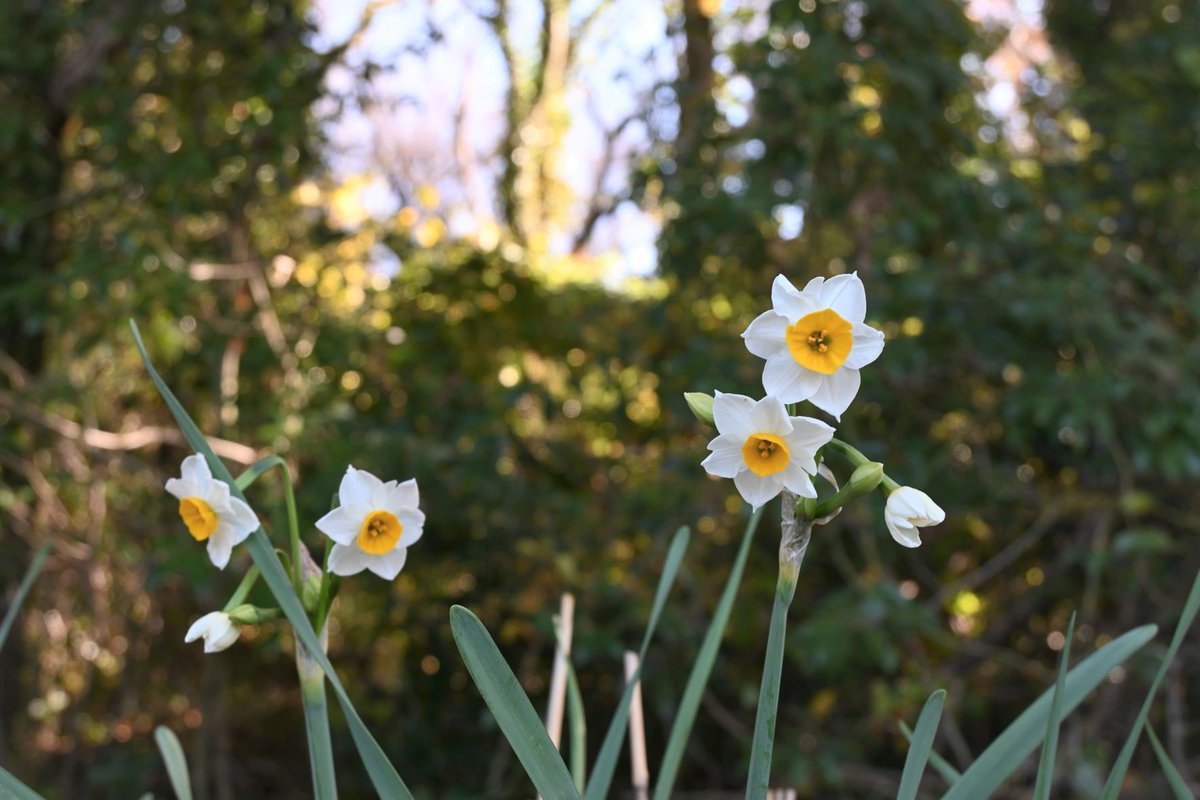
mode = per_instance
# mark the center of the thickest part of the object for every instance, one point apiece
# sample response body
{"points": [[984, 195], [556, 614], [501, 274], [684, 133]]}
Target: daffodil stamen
{"points": [[765, 454], [820, 341], [198, 516], [380, 532]]}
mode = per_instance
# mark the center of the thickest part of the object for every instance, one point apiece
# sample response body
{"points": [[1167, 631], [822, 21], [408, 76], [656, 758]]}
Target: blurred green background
{"points": [[490, 245]]}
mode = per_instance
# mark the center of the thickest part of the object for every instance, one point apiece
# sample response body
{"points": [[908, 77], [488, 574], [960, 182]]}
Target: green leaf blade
{"points": [[1045, 776], [610, 750], [689, 704], [1112, 787], [31, 573], [175, 762], [1020, 739], [510, 706], [922, 745], [1179, 786]]}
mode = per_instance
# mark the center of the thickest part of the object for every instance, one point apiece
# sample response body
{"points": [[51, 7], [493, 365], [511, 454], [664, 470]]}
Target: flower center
{"points": [[379, 533], [199, 517], [765, 454], [820, 341]]}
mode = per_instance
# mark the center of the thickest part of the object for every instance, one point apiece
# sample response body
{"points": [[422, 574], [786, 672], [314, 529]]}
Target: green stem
{"points": [[243, 589], [293, 526], [316, 722], [851, 453], [792, 547], [855, 457]]}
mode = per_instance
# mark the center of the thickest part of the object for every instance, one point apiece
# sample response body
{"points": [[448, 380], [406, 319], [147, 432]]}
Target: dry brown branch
{"points": [[128, 440]]}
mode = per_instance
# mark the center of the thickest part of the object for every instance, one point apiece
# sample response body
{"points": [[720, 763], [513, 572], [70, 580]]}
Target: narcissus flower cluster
{"points": [[814, 340], [371, 529]]}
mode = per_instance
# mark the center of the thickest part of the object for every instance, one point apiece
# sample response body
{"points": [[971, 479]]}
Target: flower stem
{"points": [[243, 589], [316, 722], [792, 546], [293, 525], [855, 457]]}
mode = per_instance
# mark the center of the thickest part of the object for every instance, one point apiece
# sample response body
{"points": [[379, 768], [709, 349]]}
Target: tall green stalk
{"points": [[316, 722], [792, 546]]}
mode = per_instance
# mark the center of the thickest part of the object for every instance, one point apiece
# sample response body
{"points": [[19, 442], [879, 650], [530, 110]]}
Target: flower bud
{"points": [[701, 405], [310, 593], [907, 510], [217, 630], [865, 478]]}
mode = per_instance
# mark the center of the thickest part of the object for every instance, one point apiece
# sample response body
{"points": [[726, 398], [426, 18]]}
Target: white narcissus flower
{"points": [[374, 525], [815, 341], [209, 511], [218, 630], [763, 449], [907, 510]]}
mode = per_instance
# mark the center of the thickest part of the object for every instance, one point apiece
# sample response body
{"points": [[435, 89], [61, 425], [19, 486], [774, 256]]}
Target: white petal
{"points": [[796, 482], [242, 519], [342, 525], [837, 391], [726, 460], [347, 560], [845, 295], [769, 416], [789, 301], [220, 546], [731, 413], [787, 380], [181, 488], [757, 490], [413, 520], [216, 494], [808, 435], [868, 344], [388, 565], [233, 525], [813, 288], [905, 534], [215, 644], [767, 335], [200, 627], [357, 489], [404, 495], [195, 469]]}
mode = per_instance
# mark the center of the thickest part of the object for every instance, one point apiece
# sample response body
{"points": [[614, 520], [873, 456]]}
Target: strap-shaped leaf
{"points": [[606, 761], [1013, 746], [510, 706], [31, 573], [383, 775], [1179, 787], [11, 787], [922, 745], [175, 762], [689, 704], [940, 765], [1045, 776], [577, 721], [1112, 786]]}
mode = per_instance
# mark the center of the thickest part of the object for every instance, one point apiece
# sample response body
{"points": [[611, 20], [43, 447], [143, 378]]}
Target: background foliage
{"points": [[1034, 271]]}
